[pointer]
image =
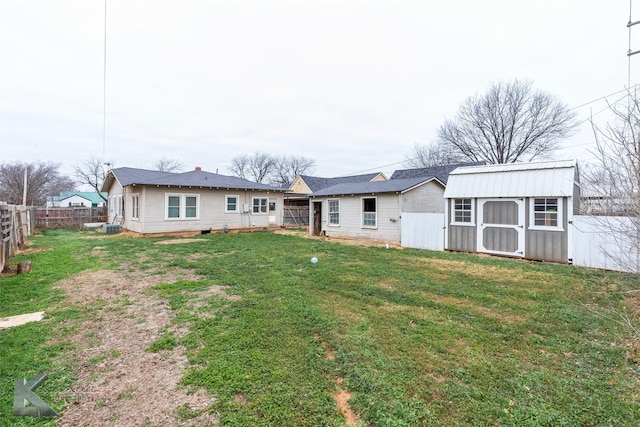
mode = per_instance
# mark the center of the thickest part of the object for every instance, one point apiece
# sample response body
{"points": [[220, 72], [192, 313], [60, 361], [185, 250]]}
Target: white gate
{"points": [[422, 231]]}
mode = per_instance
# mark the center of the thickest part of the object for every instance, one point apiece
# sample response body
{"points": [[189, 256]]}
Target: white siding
{"points": [[426, 198], [212, 215], [388, 218]]}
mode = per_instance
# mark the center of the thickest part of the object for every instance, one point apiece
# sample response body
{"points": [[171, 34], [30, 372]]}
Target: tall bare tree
{"points": [[510, 122], [43, 179], [435, 154], [92, 173], [165, 164], [256, 167], [287, 167], [240, 166]]}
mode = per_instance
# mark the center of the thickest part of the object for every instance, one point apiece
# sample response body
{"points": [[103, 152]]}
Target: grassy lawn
{"points": [[415, 337]]}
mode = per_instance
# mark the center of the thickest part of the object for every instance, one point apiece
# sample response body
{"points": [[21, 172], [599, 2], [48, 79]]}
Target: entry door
{"points": [[317, 218], [501, 229], [272, 211]]}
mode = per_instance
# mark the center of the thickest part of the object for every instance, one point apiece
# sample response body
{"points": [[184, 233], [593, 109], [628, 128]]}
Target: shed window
{"points": [[369, 213], [334, 212], [547, 213], [462, 211]]}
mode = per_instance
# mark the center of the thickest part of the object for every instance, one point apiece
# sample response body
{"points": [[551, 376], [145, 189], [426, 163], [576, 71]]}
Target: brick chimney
{"points": [[198, 168]]}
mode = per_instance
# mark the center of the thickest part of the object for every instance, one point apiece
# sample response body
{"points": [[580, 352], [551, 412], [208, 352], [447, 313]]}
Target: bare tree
{"points": [[43, 179], [510, 122], [435, 154], [240, 166], [92, 172], [165, 164], [257, 167], [286, 169], [616, 183]]}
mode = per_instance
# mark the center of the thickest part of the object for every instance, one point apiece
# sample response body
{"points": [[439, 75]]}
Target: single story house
{"points": [[150, 202], [87, 199], [296, 199], [374, 210], [520, 210]]}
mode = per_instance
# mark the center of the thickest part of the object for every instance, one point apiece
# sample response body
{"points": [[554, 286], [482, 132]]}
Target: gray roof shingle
{"points": [[316, 183], [439, 172], [196, 178], [390, 186]]}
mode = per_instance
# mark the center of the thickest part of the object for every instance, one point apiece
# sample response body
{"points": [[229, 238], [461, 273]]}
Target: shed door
{"points": [[501, 228]]}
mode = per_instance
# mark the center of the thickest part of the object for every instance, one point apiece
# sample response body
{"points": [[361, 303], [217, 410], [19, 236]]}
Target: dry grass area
{"points": [[120, 383]]}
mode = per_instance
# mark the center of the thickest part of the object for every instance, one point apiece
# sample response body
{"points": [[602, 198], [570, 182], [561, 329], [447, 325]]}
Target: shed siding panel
{"points": [[462, 238], [500, 239], [548, 245], [427, 198], [500, 212]]}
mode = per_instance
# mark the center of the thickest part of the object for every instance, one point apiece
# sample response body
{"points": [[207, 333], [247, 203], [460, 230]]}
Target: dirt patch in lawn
{"points": [[119, 382], [178, 241]]}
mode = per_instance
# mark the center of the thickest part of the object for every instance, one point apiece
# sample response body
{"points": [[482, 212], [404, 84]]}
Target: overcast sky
{"points": [[351, 84]]}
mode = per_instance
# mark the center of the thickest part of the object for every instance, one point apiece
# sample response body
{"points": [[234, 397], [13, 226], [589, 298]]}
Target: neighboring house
{"points": [[150, 202], [297, 197], [85, 199], [373, 210], [520, 210]]}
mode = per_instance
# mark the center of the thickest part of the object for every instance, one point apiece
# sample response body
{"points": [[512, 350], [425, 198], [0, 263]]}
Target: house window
{"points": [[259, 205], [190, 206], [135, 206], [231, 204], [182, 206], [462, 211], [369, 213], [546, 213], [334, 212]]}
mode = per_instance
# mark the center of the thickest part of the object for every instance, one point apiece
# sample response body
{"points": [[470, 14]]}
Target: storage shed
{"points": [[519, 210]]}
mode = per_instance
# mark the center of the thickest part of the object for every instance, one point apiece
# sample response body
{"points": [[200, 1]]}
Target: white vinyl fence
{"points": [[422, 231], [607, 242]]}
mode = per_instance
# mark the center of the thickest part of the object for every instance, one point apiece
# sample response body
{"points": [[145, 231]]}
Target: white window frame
{"points": [[375, 218], [226, 204], [135, 206], [532, 216], [182, 207], [329, 213], [472, 212], [262, 207]]}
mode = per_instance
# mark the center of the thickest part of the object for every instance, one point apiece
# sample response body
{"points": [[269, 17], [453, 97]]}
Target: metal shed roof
{"points": [[540, 179]]}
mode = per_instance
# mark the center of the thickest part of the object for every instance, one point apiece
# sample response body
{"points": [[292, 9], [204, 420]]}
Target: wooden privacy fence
{"points": [[71, 217], [296, 216], [16, 224]]}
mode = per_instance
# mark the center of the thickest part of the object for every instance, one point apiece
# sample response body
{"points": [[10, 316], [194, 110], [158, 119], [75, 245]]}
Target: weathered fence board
{"points": [[71, 217], [422, 231], [296, 216]]}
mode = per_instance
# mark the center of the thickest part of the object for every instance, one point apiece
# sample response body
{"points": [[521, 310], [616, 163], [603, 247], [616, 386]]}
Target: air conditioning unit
{"points": [[111, 228]]}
